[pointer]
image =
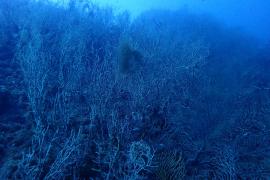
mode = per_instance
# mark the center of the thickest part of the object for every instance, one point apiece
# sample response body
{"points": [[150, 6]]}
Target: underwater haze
{"points": [[250, 15], [132, 90]]}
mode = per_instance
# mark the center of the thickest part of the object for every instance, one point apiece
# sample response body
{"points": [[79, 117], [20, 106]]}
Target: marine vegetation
{"points": [[88, 93]]}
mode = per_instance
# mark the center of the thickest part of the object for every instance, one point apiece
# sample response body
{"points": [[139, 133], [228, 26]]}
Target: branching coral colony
{"points": [[88, 94]]}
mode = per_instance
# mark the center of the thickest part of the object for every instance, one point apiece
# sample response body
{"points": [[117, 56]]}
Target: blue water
{"points": [[134, 90], [250, 15]]}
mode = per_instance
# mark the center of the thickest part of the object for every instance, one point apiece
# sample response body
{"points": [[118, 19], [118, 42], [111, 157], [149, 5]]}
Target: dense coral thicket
{"points": [[88, 94]]}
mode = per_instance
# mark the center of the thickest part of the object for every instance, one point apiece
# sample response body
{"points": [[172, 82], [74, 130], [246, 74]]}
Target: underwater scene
{"points": [[134, 90]]}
